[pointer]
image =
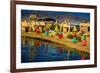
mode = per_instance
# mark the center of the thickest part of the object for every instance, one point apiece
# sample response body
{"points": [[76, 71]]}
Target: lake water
{"points": [[35, 50]]}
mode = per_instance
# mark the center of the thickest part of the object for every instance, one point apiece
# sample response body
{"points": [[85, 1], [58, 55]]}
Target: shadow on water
{"points": [[34, 50]]}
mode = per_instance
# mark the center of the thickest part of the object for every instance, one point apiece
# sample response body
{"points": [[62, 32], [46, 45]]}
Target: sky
{"points": [[74, 17]]}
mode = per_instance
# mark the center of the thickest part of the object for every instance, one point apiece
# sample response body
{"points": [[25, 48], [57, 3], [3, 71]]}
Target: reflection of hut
{"points": [[37, 43], [65, 26], [32, 53], [25, 26], [84, 27]]}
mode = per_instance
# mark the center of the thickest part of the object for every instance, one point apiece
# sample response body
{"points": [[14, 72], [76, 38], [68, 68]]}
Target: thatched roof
{"points": [[25, 24], [85, 24], [42, 23], [65, 24]]}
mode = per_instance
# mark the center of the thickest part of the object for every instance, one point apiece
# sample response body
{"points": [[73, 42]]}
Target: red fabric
{"points": [[74, 34], [84, 42], [60, 36], [37, 30]]}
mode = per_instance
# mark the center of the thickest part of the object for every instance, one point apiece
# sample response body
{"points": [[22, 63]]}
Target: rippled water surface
{"points": [[35, 50]]}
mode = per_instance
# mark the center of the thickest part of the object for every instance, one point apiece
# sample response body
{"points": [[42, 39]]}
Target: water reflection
{"points": [[34, 50]]}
